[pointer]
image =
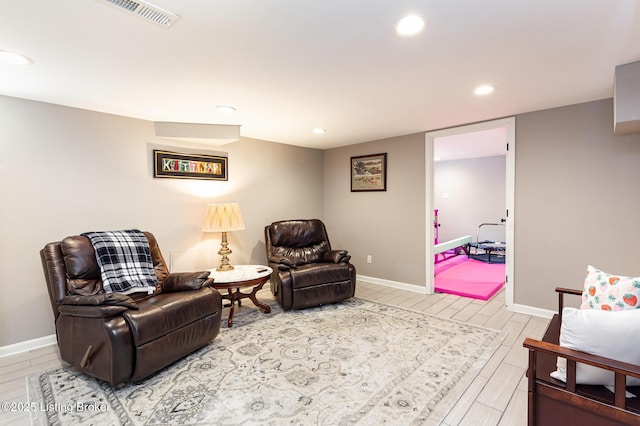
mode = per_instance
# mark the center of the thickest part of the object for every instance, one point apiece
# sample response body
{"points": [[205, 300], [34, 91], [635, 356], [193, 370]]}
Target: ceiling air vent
{"points": [[144, 10]]}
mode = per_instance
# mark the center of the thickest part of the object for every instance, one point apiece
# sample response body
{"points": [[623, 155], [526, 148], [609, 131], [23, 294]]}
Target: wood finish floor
{"points": [[498, 395]]}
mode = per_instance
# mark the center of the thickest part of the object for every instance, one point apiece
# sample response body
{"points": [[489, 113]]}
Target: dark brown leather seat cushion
{"points": [[167, 312], [313, 274]]}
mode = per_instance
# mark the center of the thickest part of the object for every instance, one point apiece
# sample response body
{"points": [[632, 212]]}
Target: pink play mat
{"points": [[469, 277]]}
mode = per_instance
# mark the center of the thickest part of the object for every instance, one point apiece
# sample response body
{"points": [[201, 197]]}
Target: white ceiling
{"points": [[482, 143], [289, 66]]}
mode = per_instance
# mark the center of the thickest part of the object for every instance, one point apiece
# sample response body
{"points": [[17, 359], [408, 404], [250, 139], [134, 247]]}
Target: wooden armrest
{"points": [[583, 357], [568, 291], [561, 292], [620, 369]]}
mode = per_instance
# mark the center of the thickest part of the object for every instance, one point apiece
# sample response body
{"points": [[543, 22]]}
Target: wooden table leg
{"points": [[237, 296], [265, 308], [232, 300], [229, 298]]}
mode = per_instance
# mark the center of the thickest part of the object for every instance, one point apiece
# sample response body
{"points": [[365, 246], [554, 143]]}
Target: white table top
{"points": [[240, 273]]}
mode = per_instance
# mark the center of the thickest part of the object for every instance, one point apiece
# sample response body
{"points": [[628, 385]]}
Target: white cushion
{"points": [[614, 335], [610, 292]]}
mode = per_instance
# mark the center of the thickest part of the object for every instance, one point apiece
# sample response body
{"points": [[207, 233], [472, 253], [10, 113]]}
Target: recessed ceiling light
{"points": [[485, 89], [319, 131], [410, 25], [225, 108], [14, 58]]}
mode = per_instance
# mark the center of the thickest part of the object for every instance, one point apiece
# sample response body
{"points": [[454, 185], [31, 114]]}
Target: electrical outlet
{"points": [[368, 258]]}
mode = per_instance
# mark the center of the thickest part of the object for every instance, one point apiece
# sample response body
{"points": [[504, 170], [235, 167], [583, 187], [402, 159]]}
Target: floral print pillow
{"points": [[610, 292]]}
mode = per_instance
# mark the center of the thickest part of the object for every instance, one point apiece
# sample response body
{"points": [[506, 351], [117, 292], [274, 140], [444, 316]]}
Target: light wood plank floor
{"points": [[498, 395]]}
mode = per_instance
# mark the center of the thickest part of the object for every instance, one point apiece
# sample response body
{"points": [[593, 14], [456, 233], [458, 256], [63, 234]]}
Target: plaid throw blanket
{"points": [[125, 261]]}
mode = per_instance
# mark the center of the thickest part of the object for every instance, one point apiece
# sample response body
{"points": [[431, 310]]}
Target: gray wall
{"points": [[470, 192], [577, 200], [65, 171], [390, 225]]}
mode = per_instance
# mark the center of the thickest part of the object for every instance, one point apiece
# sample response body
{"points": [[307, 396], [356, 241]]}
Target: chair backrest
{"points": [[70, 267], [302, 241]]}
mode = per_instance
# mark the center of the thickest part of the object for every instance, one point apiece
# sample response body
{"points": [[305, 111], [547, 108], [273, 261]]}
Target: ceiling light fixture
{"points": [[225, 108], [14, 58], [485, 89], [319, 131], [410, 25]]}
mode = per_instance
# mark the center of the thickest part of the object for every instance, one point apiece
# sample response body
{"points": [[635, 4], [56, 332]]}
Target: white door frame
{"points": [[510, 125]]}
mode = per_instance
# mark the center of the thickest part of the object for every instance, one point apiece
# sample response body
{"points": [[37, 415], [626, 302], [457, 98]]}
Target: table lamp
{"points": [[223, 218]]}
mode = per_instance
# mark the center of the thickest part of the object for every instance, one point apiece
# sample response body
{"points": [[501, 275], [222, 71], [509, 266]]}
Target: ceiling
{"points": [[481, 143], [289, 66]]}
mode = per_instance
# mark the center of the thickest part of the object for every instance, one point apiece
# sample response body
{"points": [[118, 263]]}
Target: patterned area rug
{"points": [[357, 362]]}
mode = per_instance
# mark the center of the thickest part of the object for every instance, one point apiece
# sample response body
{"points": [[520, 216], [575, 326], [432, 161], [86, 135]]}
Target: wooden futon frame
{"points": [[552, 402]]}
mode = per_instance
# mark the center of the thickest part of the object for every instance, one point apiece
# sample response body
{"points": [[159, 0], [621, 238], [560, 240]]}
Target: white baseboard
{"points": [[532, 310], [394, 284], [521, 309], [27, 345]]}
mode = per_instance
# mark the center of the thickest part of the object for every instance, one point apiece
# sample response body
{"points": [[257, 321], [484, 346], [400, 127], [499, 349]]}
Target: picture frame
{"points": [[167, 164], [369, 173]]}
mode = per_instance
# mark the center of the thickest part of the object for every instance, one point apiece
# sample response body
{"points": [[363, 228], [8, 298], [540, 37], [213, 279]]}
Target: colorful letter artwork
{"points": [[188, 166], [169, 165]]}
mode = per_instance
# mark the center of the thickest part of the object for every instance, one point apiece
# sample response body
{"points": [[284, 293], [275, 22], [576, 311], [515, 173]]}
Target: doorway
{"points": [[507, 126]]}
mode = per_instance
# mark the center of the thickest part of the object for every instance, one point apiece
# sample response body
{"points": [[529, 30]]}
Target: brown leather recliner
{"points": [[119, 338], [306, 271]]}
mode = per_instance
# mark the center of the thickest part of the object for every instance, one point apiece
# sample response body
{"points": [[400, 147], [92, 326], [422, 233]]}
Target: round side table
{"points": [[241, 276]]}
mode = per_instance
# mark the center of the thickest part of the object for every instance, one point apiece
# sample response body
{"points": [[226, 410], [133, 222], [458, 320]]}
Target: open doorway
{"points": [[482, 159], [469, 205]]}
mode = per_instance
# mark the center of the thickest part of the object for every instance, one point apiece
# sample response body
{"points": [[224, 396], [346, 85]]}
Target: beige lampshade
{"points": [[223, 218]]}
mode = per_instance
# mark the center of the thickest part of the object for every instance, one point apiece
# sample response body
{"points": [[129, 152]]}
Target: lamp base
{"points": [[224, 251]]}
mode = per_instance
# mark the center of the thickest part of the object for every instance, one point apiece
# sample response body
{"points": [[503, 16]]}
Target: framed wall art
{"points": [[188, 166], [369, 173]]}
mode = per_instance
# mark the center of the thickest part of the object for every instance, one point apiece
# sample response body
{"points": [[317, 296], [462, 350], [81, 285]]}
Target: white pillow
{"points": [[610, 334]]}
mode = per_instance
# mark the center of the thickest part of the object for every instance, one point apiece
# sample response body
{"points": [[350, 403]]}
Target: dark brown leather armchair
{"points": [[306, 271], [119, 338]]}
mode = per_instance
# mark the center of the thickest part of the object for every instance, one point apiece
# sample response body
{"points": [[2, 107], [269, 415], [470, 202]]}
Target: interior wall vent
{"points": [[144, 10]]}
